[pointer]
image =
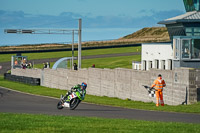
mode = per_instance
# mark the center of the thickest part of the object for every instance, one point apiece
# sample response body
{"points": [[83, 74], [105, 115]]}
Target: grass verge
{"points": [[46, 55], [28, 123], [39, 90], [109, 62]]}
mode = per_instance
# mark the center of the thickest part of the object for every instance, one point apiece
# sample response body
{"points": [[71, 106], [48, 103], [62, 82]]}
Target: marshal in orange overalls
{"points": [[159, 83]]}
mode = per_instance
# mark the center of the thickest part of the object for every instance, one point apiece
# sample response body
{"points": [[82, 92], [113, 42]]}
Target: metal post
{"points": [[72, 49], [79, 45], [12, 62]]}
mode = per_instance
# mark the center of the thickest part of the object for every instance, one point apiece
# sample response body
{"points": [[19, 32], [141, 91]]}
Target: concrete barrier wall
{"points": [[35, 73], [122, 83]]}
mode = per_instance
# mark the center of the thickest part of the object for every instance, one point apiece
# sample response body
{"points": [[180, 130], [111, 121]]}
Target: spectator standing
{"points": [[75, 66]]}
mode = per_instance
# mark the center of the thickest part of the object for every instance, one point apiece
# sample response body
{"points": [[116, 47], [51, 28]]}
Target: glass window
{"points": [[177, 49], [188, 29], [188, 34], [192, 31], [196, 34], [197, 30], [186, 49], [195, 48], [191, 5]]}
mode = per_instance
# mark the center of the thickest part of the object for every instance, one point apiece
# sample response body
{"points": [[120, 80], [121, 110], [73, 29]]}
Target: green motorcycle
{"points": [[72, 99]]}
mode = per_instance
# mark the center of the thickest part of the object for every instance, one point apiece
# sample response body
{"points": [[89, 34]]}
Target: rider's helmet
{"points": [[84, 85]]}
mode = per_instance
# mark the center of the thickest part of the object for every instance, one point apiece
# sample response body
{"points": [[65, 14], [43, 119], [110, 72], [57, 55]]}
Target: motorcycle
{"points": [[70, 101]]}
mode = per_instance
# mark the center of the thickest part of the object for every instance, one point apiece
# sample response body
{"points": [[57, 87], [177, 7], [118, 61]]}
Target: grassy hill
{"points": [[152, 34], [145, 35]]}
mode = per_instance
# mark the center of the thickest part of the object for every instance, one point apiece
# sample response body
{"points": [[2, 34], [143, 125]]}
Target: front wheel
{"points": [[74, 103], [59, 105]]}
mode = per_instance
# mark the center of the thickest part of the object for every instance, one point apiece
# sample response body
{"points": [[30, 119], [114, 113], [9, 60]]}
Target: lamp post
{"points": [[72, 47], [79, 45]]}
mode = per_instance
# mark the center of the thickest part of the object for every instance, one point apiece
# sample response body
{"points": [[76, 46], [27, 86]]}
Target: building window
{"points": [[185, 49], [197, 29], [191, 5], [188, 30], [192, 31], [190, 49], [195, 48], [177, 49]]}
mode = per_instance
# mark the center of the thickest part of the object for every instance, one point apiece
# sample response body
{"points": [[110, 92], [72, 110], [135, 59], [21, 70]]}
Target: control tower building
{"points": [[184, 48]]}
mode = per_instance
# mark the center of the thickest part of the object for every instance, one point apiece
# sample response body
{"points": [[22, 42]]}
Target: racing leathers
{"points": [[78, 88]]}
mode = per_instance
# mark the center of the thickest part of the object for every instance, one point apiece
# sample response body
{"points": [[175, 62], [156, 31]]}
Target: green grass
{"points": [[109, 62], [7, 57], [39, 90], [28, 123]]}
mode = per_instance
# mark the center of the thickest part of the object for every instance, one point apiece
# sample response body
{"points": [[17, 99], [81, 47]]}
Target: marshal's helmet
{"points": [[84, 85]]}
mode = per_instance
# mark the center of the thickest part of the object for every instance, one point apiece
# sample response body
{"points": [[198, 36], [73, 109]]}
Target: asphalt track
{"points": [[16, 102]]}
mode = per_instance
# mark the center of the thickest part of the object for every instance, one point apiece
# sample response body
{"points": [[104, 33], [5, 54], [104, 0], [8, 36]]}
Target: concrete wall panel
{"points": [[122, 83]]}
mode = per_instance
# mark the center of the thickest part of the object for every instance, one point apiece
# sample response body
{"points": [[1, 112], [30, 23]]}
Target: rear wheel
{"points": [[59, 105], [74, 103]]}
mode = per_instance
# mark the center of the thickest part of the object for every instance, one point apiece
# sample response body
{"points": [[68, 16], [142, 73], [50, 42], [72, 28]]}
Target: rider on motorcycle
{"points": [[81, 88]]}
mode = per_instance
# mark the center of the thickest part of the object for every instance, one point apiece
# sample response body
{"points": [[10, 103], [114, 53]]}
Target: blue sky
{"points": [[95, 13], [90, 7], [101, 19]]}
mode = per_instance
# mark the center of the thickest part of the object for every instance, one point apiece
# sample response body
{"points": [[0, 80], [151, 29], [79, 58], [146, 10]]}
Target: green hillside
{"points": [[151, 34], [145, 35]]}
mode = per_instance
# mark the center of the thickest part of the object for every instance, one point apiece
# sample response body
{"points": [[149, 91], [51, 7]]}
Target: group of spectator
{"points": [[46, 65], [23, 64], [29, 65]]}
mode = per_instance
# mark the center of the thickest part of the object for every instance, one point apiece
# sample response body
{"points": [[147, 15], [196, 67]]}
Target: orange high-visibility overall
{"points": [[159, 83]]}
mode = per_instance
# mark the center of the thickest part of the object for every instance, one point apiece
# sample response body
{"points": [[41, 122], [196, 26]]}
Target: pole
{"points": [[79, 45], [72, 49]]}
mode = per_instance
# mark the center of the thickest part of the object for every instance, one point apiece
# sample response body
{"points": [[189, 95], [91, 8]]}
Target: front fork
{"points": [[65, 103]]}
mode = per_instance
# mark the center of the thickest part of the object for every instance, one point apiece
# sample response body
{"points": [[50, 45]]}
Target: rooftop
{"points": [[193, 16]]}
